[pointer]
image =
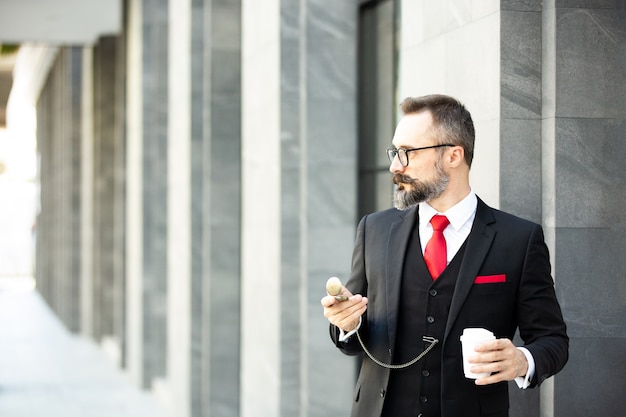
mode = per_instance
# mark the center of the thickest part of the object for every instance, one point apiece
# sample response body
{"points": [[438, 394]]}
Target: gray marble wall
{"points": [[590, 146], [520, 133], [560, 138], [563, 118], [520, 108]]}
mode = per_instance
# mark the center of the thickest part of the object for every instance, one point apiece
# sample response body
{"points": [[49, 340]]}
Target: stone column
{"points": [[147, 122], [521, 136], [204, 194], [589, 146], [175, 389], [134, 201], [104, 187], [58, 133], [154, 187], [216, 195], [86, 197], [108, 196], [260, 257], [299, 153]]}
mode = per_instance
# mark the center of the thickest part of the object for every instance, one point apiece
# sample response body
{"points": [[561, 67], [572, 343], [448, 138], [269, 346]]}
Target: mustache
{"points": [[402, 179]]}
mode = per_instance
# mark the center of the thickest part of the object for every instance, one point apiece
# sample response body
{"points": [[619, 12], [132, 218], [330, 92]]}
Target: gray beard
{"points": [[420, 191]]}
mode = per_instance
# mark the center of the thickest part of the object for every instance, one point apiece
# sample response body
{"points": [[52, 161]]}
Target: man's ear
{"points": [[456, 156]]}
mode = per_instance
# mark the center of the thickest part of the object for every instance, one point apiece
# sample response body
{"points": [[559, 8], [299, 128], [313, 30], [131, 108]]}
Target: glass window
{"points": [[377, 102]]}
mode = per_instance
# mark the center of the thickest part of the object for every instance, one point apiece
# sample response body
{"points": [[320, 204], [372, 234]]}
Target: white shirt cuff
{"points": [[343, 336], [524, 382]]}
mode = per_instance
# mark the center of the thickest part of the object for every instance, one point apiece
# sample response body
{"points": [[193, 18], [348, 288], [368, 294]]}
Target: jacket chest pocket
{"points": [[489, 289]]}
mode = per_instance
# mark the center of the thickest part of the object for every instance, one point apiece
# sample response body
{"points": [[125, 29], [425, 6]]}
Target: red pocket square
{"points": [[489, 279]]}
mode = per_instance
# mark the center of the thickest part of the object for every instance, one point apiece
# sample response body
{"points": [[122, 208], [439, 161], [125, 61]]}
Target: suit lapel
{"points": [[397, 242], [478, 243]]}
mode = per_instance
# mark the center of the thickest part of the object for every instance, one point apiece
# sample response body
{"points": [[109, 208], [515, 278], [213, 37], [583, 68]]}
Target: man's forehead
{"points": [[413, 129]]}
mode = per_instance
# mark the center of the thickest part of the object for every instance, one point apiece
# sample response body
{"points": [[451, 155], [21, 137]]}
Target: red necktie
{"points": [[436, 253]]}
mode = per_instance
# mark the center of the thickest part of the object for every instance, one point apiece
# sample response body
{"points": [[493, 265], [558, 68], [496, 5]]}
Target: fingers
{"points": [[330, 299], [501, 359], [344, 314]]}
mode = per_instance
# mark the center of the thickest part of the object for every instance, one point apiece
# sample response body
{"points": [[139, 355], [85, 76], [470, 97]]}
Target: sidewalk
{"points": [[45, 371]]}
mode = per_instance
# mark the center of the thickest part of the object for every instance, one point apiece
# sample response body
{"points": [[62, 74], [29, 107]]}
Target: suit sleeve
{"points": [[357, 284], [541, 323]]}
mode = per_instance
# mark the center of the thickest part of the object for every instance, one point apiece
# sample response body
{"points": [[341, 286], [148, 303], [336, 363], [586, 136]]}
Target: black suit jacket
{"points": [[498, 244]]}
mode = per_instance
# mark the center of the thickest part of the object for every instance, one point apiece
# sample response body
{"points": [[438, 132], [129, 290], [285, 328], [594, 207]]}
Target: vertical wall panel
{"points": [[298, 225], [327, 210], [178, 383], [134, 201], [221, 200], [59, 134], [260, 256], [590, 225], [86, 195], [154, 187]]}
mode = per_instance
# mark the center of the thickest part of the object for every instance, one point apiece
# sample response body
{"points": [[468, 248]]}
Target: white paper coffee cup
{"points": [[469, 339]]}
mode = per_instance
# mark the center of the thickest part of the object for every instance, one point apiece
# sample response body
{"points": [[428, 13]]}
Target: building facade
{"points": [[203, 171]]}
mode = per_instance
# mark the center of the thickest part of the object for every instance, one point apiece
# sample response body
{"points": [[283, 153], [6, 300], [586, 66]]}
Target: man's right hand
{"points": [[344, 314]]}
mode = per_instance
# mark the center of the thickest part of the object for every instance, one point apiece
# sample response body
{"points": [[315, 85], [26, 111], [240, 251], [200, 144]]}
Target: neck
{"points": [[455, 192]]}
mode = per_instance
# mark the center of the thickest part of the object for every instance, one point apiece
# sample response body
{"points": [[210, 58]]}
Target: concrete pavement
{"points": [[47, 371]]}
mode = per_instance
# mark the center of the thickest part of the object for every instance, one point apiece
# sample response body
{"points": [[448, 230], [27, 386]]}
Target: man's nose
{"points": [[395, 166]]}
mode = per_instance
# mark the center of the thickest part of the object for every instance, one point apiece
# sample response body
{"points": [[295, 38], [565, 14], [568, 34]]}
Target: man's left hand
{"points": [[501, 358]]}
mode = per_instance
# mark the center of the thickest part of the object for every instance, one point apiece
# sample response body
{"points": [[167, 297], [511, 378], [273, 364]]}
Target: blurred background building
{"points": [[202, 164]]}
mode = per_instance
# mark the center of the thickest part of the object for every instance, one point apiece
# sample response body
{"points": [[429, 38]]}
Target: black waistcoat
{"points": [[423, 311]]}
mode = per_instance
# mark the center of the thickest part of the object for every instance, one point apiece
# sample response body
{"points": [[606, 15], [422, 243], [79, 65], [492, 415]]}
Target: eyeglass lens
{"points": [[401, 153]]}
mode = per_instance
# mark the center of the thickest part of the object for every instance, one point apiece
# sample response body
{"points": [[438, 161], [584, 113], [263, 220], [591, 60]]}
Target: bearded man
{"points": [[439, 262]]}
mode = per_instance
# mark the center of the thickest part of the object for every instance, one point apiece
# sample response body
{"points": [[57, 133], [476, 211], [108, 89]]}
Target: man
{"points": [[493, 273]]}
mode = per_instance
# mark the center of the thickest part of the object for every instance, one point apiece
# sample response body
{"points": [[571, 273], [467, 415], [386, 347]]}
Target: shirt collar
{"points": [[458, 214]]}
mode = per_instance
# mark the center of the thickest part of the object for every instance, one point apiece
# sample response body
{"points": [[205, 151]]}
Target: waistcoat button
{"points": [[430, 319], [433, 292], [425, 373], [424, 399]]}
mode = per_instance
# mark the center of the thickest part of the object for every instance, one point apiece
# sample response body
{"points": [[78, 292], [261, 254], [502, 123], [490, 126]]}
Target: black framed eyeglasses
{"points": [[403, 154]]}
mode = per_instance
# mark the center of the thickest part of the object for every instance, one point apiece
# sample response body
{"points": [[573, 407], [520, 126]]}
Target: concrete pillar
{"points": [[147, 168], [260, 263], [589, 92], [86, 196], [154, 187], [104, 187], [521, 139], [216, 195], [521, 108], [107, 299], [204, 210], [175, 388], [59, 128], [298, 138], [134, 201]]}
